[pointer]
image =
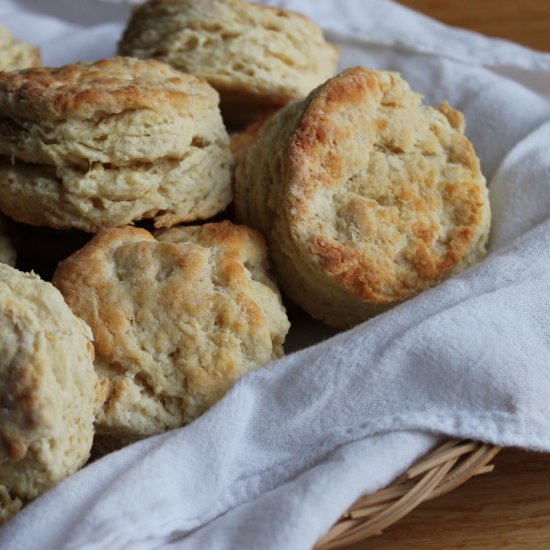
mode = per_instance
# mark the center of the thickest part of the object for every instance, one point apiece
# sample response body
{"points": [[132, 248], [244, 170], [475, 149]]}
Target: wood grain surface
{"points": [[524, 21], [506, 509], [509, 508]]}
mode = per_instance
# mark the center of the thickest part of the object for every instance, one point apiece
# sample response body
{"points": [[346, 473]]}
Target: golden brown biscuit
{"points": [[15, 54], [49, 392], [176, 321], [258, 58], [100, 144], [366, 196]]}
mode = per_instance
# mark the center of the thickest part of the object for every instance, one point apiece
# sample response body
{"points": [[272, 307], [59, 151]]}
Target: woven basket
{"points": [[439, 472]]}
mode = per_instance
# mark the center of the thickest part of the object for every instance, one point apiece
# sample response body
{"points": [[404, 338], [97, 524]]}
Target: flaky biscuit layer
{"points": [[256, 57], [94, 145]]}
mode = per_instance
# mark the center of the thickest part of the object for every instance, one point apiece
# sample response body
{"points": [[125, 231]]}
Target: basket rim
{"points": [[440, 471]]}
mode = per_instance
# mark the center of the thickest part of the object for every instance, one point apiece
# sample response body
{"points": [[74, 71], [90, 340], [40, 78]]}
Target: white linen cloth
{"points": [[294, 444]]}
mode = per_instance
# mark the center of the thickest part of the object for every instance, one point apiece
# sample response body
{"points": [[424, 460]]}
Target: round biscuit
{"points": [[366, 195], [176, 321], [258, 58], [102, 144]]}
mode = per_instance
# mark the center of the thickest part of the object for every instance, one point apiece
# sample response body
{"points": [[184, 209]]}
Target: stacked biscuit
{"points": [[258, 58], [364, 195], [14, 54]]}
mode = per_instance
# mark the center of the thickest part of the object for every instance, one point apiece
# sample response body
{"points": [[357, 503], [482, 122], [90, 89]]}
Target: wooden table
{"points": [[506, 509], [509, 508], [523, 21]]}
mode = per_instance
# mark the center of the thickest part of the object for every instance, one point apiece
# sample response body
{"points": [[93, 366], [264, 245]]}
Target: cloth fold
{"points": [[291, 446]]}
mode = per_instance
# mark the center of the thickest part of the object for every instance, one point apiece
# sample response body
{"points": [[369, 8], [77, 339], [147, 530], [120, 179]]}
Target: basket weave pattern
{"points": [[439, 472]]}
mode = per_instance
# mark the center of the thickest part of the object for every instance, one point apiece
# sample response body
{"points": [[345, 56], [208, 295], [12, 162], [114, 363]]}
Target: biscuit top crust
{"points": [[241, 252], [255, 7], [110, 86], [384, 193], [238, 242], [175, 320], [243, 49]]}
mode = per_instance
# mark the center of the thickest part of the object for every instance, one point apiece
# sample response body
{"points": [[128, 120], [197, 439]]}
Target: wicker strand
{"points": [[441, 471]]}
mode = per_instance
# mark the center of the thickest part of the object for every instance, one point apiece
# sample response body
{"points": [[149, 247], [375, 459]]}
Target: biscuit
{"points": [[49, 391], [176, 321], [101, 144], [7, 252], [366, 196], [258, 58], [15, 54]]}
